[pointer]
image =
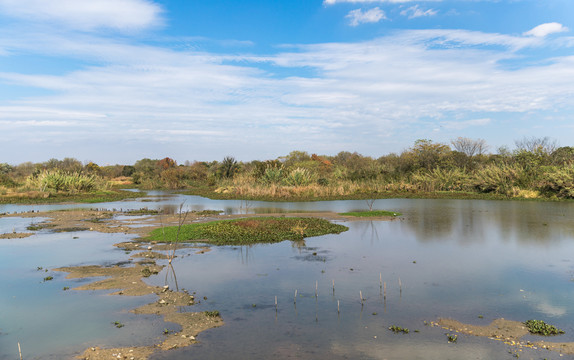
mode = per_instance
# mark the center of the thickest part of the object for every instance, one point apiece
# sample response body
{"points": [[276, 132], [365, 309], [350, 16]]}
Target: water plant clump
{"points": [[539, 327], [398, 329], [249, 230], [214, 313]]}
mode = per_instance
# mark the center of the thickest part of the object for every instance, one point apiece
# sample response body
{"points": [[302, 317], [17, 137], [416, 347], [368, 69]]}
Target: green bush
{"points": [[272, 175], [558, 181], [57, 180], [500, 178], [298, 177]]}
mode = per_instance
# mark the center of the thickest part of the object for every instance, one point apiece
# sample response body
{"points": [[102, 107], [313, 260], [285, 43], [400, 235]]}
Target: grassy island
{"points": [[248, 231]]}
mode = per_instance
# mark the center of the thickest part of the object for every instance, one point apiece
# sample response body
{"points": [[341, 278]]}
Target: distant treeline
{"points": [[536, 167]]}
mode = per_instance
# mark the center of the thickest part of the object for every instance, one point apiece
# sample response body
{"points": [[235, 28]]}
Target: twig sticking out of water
{"points": [[361, 295], [295, 298], [333, 286], [380, 280], [20, 351], [275, 303], [400, 285], [316, 288], [385, 290], [338, 309]]}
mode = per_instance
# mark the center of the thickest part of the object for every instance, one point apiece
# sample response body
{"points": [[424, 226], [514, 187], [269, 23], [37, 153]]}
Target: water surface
{"points": [[454, 258]]}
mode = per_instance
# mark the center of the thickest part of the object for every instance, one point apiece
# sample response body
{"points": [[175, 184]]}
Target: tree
{"points": [[469, 147], [543, 145], [429, 155], [228, 167]]}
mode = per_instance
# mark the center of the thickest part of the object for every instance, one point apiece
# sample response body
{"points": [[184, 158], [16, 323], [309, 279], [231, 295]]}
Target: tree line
{"points": [[536, 167]]}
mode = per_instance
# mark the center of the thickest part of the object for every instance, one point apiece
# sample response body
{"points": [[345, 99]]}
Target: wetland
{"points": [[447, 270]]}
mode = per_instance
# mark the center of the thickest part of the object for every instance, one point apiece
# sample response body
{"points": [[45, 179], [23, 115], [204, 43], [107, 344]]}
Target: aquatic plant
{"points": [[398, 329], [452, 338], [248, 230], [539, 327], [214, 313]]}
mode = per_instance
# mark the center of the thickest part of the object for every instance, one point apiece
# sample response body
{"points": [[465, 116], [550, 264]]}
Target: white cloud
{"points": [[332, 2], [546, 29], [416, 11], [125, 15], [382, 87], [358, 16], [460, 125]]}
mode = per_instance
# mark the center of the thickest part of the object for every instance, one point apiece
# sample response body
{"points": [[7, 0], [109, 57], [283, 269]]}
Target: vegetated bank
{"points": [[246, 231], [464, 169]]}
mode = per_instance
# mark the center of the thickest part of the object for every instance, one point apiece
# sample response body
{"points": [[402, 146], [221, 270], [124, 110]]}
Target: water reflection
{"points": [[455, 258]]}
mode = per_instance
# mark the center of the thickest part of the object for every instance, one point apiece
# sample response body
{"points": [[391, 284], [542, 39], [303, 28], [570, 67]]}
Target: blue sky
{"points": [[114, 81]]}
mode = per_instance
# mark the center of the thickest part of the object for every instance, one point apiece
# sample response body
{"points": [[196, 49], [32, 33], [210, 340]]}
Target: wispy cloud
{"points": [[383, 88], [358, 16], [332, 2], [125, 15], [546, 29], [415, 12]]}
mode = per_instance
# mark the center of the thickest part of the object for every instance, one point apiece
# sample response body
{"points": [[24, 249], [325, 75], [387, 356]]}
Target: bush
{"points": [[57, 180], [500, 178], [298, 177], [558, 181]]}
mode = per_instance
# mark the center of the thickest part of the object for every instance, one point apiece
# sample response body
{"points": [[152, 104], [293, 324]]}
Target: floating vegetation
{"points": [[146, 272], [213, 313], [142, 211], [397, 329], [48, 278], [36, 227], [373, 213], [248, 231], [452, 338], [539, 327], [118, 324]]}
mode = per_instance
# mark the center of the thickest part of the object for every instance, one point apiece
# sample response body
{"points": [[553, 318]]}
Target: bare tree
{"points": [[545, 144], [469, 147]]}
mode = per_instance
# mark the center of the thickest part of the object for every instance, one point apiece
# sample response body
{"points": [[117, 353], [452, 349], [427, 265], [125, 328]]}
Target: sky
{"points": [[115, 81]]}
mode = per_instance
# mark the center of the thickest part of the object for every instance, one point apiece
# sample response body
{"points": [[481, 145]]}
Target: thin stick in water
{"points": [[338, 309], [333, 286], [316, 288], [380, 280], [20, 350], [295, 298], [400, 285], [385, 291], [361, 295]]}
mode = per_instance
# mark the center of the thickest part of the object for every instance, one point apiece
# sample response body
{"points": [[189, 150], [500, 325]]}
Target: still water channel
{"points": [[473, 261]]}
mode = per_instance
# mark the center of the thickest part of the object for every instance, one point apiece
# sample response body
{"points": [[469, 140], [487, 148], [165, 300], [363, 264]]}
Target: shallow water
{"points": [[455, 258]]}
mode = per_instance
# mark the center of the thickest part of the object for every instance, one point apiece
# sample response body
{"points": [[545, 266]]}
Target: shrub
{"points": [[500, 178], [559, 181], [298, 177], [272, 175], [57, 180]]}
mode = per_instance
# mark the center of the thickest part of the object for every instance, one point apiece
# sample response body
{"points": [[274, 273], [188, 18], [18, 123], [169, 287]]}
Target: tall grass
{"points": [[60, 181]]}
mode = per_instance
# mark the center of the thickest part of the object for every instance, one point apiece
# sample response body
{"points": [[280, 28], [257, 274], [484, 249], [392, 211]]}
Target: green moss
{"points": [[249, 230], [371, 213]]}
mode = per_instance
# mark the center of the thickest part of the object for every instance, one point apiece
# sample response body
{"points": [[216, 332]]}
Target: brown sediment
{"points": [[508, 331], [15, 235]]}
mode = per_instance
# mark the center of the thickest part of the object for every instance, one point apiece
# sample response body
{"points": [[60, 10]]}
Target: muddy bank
{"points": [[508, 331]]}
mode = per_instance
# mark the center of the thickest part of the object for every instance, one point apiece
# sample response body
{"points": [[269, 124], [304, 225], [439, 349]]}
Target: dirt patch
{"points": [[15, 235], [508, 331]]}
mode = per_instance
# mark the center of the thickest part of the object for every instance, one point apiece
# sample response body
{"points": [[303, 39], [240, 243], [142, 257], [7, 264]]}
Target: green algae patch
{"points": [[248, 230], [374, 213]]}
